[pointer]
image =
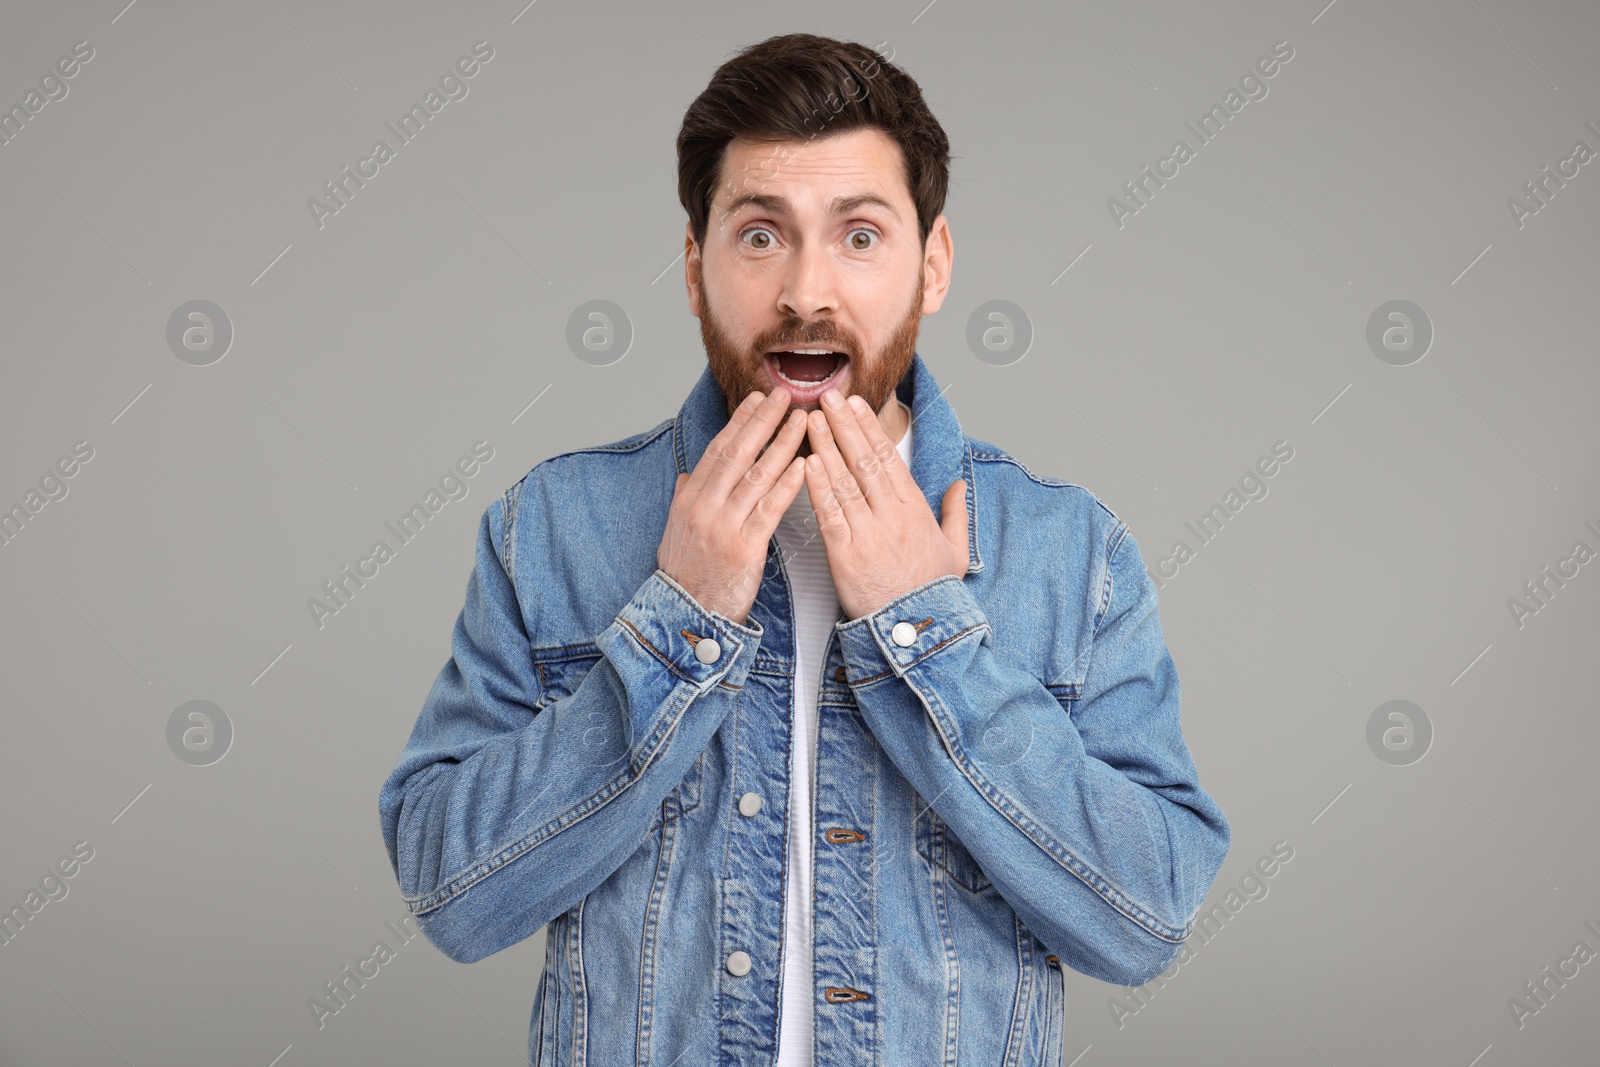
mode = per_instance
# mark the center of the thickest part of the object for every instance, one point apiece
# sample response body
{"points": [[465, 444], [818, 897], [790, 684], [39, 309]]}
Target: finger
{"points": [[894, 467], [701, 474], [769, 508], [831, 520], [841, 482], [759, 478], [850, 441], [954, 523], [729, 454]]}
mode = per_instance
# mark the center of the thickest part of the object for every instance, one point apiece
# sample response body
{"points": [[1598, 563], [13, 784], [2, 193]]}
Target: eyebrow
{"points": [[777, 205]]}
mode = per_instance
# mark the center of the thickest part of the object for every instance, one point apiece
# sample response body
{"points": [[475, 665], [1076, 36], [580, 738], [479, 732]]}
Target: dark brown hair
{"points": [[800, 86]]}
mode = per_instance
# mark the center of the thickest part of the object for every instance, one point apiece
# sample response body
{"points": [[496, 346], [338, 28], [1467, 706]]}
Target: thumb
{"points": [[954, 523]]}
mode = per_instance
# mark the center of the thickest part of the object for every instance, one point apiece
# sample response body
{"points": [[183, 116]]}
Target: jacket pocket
{"points": [[941, 848], [684, 798], [596, 733], [562, 670]]}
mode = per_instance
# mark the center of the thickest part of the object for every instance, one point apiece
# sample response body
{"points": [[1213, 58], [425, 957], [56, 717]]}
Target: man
{"points": [[816, 731]]}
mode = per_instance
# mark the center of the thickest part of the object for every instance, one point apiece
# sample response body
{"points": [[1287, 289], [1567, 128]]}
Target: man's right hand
{"points": [[725, 511]]}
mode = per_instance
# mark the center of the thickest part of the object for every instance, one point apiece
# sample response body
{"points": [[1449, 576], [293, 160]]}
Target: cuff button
{"points": [[904, 634], [706, 650]]}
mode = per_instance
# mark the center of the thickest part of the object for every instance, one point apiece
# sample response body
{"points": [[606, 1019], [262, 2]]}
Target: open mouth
{"points": [[806, 372]]}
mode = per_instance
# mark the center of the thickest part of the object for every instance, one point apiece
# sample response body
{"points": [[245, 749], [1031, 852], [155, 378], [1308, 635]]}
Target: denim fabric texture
{"points": [[1007, 793]]}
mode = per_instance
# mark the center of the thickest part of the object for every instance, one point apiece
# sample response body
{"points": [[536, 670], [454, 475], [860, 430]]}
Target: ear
{"points": [[938, 259], [691, 268]]}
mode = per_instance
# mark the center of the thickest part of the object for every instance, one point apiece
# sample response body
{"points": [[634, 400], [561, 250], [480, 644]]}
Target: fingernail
{"points": [[831, 398], [859, 405]]}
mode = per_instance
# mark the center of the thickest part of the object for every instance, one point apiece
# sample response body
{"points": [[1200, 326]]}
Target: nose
{"points": [[810, 285]]}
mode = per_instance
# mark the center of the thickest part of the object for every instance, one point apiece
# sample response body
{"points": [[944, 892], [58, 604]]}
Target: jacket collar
{"points": [[940, 452]]}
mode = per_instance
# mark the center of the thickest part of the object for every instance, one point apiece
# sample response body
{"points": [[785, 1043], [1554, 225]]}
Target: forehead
{"points": [[809, 173]]}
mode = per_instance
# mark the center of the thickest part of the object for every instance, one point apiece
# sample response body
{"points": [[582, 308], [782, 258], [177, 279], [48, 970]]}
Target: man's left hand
{"points": [[881, 538]]}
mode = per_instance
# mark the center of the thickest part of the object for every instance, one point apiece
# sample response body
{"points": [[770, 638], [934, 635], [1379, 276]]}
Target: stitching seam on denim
{"points": [[465, 879], [508, 522], [863, 682], [654, 651], [1020, 1000], [1104, 887]]}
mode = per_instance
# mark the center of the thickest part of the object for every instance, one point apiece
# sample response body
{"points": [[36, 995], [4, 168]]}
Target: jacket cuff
{"points": [[914, 625], [697, 645]]}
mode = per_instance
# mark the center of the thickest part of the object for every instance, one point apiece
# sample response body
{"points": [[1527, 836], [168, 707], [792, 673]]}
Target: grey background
{"points": [[369, 354]]}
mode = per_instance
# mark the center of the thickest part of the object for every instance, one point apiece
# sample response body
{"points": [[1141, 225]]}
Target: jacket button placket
{"points": [[749, 937], [847, 849]]}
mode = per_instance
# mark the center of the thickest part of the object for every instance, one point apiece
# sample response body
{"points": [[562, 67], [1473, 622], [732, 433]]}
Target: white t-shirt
{"points": [[816, 608]]}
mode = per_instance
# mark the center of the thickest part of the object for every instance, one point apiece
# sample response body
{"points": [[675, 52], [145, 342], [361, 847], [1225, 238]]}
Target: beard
{"points": [[740, 371]]}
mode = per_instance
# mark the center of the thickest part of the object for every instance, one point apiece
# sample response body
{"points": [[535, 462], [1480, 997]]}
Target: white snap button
{"points": [[904, 634], [706, 650], [738, 963], [749, 804]]}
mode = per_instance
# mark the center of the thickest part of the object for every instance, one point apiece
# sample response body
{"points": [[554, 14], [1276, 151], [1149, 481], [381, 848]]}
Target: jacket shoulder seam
{"points": [[508, 543], [984, 452], [625, 445], [1108, 586], [512, 498]]}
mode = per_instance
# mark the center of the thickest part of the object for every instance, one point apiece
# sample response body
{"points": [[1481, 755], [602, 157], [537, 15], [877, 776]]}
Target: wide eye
{"points": [[859, 246], [758, 230]]}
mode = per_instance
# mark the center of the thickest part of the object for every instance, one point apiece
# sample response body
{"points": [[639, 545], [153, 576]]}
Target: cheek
{"points": [[730, 322], [890, 309]]}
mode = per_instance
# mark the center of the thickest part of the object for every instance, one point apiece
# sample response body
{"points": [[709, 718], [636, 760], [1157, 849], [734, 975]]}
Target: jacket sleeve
{"points": [[505, 809], [1092, 825]]}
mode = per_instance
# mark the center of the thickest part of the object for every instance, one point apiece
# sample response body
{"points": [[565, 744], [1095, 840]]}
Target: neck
{"points": [[893, 419]]}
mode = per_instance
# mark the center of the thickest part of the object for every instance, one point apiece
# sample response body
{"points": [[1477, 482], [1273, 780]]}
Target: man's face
{"points": [[794, 258]]}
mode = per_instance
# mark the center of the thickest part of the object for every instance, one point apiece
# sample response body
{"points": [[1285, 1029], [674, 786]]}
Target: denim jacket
{"points": [[1002, 784]]}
